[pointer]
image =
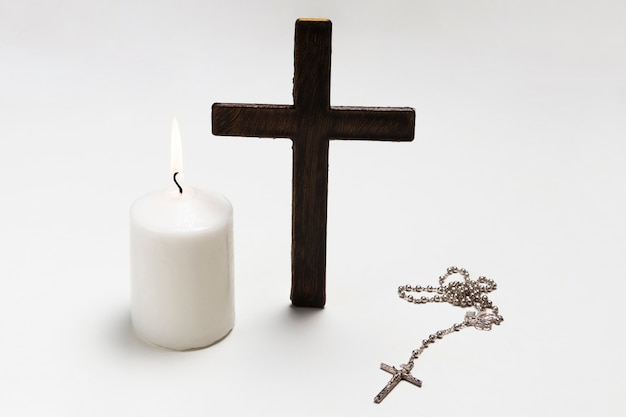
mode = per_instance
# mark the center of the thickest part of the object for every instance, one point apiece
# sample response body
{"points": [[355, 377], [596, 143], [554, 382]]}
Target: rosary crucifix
{"points": [[311, 122]]}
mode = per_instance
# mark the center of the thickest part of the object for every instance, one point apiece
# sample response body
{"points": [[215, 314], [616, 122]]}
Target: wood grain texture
{"points": [[311, 123]]}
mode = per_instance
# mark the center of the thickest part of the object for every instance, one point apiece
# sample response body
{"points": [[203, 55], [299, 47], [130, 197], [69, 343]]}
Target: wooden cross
{"points": [[402, 374], [311, 122]]}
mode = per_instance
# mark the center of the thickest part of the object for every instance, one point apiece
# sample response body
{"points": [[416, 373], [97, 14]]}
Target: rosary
{"points": [[466, 293]]}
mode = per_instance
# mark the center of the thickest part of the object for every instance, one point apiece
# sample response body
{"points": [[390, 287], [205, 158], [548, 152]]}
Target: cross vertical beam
{"points": [[311, 123], [311, 95]]}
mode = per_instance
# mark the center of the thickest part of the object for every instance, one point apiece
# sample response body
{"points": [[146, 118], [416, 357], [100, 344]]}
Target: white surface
{"points": [[516, 173]]}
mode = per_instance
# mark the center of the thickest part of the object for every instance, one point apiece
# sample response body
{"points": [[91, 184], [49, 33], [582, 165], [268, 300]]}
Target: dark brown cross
{"points": [[311, 122]]}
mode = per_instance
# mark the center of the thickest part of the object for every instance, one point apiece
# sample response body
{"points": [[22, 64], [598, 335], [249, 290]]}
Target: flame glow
{"points": [[176, 161]]}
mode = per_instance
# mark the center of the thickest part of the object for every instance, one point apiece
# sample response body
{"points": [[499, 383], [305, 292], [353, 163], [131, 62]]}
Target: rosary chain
{"points": [[466, 293]]}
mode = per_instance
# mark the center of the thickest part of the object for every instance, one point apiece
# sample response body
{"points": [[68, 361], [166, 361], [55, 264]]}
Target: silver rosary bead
{"points": [[465, 293]]}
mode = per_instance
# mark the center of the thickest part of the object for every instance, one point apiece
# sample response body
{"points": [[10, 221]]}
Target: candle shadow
{"points": [[130, 341], [127, 338]]}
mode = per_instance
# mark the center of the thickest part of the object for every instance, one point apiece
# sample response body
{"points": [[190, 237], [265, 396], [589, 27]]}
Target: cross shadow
{"points": [[295, 318], [302, 313]]}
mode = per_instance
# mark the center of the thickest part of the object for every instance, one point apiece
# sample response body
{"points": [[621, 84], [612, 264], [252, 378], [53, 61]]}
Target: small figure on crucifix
{"points": [[402, 374]]}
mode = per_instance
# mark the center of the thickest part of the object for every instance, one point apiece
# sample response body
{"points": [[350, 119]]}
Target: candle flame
{"points": [[176, 161]]}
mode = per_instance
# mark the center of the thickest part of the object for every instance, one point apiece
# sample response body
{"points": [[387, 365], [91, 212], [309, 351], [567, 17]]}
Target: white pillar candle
{"points": [[181, 256]]}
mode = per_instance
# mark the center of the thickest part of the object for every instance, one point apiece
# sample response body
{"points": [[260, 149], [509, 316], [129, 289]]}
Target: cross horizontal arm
{"points": [[256, 120], [396, 124], [410, 378], [388, 368]]}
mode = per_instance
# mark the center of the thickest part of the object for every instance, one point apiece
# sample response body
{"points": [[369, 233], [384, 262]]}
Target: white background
{"points": [[517, 172]]}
